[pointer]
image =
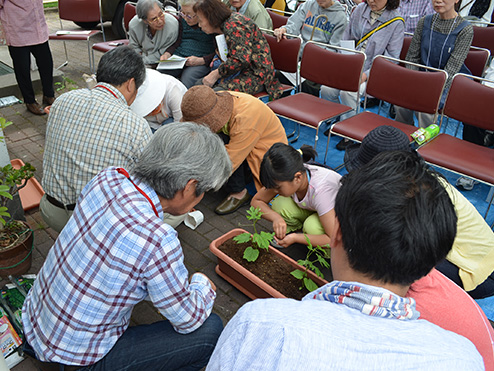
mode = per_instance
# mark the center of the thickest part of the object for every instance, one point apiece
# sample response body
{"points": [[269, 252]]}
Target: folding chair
{"points": [[471, 103], [78, 11], [477, 59], [407, 40], [106, 46], [388, 81], [278, 19], [483, 37], [285, 58], [325, 67]]}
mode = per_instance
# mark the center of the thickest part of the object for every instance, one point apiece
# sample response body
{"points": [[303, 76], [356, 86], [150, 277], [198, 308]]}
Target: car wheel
{"points": [[117, 22], [87, 25]]}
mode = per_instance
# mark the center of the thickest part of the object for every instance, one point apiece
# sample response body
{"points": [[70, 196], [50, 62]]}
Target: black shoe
{"points": [[392, 111], [371, 102], [341, 146]]}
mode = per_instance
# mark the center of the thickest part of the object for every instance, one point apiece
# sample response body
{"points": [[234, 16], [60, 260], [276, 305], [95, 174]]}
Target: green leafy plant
{"points": [[258, 240], [318, 254], [65, 83], [11, 180]]}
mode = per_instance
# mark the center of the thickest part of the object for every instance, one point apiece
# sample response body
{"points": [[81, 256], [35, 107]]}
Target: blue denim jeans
{"points": [[157, 347]]}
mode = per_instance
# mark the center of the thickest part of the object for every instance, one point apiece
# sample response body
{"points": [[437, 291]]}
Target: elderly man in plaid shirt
{"points": [[91, 129], [116, 251]]}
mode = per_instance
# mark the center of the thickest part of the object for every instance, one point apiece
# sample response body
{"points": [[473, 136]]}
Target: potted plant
{"points": [[16, 237], [250, 276]]}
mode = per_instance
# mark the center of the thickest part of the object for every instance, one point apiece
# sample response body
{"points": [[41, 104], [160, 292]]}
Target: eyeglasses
{"points": [[157, 18], [188, 16]]}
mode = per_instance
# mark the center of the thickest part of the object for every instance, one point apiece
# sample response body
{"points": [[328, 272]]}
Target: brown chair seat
{"points": [[106, 47], [357, 127], [307, 109], [456, 155]]}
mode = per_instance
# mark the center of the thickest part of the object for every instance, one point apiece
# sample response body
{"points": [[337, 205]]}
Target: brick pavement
{"points": [[25, 139]]}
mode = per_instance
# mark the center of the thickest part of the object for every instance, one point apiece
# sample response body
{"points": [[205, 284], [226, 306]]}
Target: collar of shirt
{"points": [[114, 90]]}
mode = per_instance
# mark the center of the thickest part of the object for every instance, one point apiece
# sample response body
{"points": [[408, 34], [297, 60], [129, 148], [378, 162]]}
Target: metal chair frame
{"points": [[77, 37]]}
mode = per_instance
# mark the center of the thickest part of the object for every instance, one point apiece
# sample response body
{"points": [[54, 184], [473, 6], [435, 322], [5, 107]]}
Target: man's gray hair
{"points": [[144, 6], [179, 152], [186, 2]]}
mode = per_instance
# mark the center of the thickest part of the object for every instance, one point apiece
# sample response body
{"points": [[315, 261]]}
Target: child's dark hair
{"points": [[281, 162]]}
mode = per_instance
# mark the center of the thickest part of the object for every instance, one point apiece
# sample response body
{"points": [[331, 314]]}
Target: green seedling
{"points": [[258, 240], [320, 255], [65, 83]]}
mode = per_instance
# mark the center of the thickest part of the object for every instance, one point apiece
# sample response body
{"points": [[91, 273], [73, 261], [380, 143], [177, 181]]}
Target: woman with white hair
{"points": [[152, 31], [194, 44]]}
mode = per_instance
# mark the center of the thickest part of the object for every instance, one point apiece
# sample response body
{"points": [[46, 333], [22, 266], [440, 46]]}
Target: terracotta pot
{"points": [[19, 257], [245, 281]]}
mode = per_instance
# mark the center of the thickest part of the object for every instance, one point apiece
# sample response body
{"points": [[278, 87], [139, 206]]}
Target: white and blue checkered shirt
{"points": [[113, 253], [88, 131]]}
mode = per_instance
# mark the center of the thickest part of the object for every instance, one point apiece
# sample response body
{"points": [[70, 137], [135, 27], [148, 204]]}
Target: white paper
{"points": [[222, 47], [173, 63], [62, 32], [349, 44]]}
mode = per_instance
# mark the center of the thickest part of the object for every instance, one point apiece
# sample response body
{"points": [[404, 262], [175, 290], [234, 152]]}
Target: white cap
{"points": [[150, 94]]}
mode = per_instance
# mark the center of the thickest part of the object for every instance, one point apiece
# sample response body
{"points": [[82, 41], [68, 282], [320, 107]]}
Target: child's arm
{"points": [[261, 200]]}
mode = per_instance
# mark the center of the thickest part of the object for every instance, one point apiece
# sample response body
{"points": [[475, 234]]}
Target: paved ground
{"points": [[25, 140]]}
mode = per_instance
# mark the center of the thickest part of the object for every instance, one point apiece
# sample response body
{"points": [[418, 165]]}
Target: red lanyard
{"points": [[104, 87], [126, 174]]}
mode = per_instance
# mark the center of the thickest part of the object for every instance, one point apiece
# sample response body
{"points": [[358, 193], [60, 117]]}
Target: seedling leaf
{"points": [[251, 254], [297, 273], [310, 285], [243, 237]]}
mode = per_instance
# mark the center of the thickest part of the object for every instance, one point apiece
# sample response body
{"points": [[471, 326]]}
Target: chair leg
{"points": [[294, 130], [298, 134], [66, 57], [89, 56], [92, 58]]}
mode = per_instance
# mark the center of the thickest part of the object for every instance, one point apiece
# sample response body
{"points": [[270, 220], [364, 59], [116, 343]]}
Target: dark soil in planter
{"points": [[268, 267]]}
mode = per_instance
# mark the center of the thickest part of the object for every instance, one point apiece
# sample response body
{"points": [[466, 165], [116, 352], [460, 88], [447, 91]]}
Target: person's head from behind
{"points": [[151, 13], [381, 139], [123, 68], [282, 167], [179, 170], [396, 221], [211, 14]]}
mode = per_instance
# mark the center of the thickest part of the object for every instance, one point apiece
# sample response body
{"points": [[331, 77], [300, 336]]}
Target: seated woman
{"points": [[159, 99], [377, 28], [441, 40], [152, 31], [192, 43], [327, 31], [248, 59], [252, 9], [306, 195]]}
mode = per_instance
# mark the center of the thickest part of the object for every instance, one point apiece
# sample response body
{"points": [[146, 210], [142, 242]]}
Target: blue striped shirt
{"points": [[285, 334]]}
